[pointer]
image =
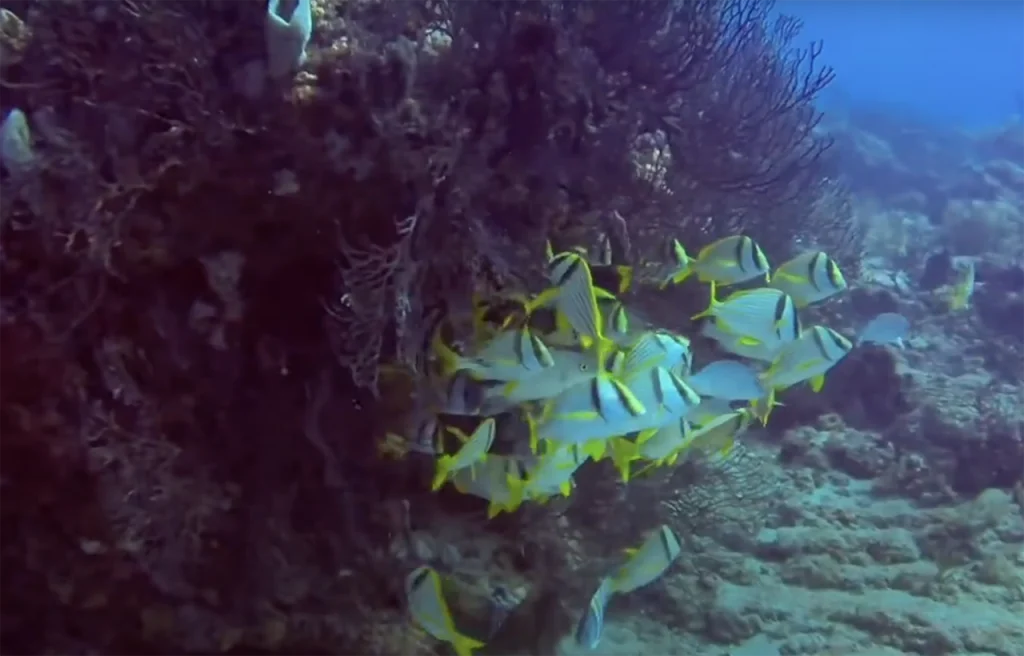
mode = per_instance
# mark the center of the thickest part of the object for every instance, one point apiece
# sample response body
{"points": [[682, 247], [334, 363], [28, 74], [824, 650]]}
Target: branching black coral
{"points": [[707, 495]]}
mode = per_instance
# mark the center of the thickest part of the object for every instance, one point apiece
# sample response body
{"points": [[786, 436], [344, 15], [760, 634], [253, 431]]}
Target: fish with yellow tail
{"points": [[763, 317], [498, 479], [593, 416], [586, 414], [963, 286], [570, 366], [817, 350], [429, 610], [644, 566], [727, 261], [658, 348], [474, 449], [574, 297], [662, 448], [809, 278], [616, 324], [718, 435], [647, 562], [511, 355], [552, 472], [680, 264]]}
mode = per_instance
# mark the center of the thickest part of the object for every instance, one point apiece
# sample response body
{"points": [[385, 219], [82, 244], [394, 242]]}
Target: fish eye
{"points": [[584, 366]]}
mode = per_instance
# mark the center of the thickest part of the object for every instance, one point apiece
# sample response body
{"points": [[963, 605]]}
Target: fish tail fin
{"points": [[594, 449], [542, 299], [494, 509], [447, 359], [676, 278], [762, 408], [443, 469], [623, 453], [646, 468], [625, 277], [481, 331], [531, 427], [464, 645], [711, 303], [516, 493]]}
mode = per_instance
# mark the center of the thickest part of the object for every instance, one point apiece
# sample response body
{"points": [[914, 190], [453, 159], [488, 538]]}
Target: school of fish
{"points": [[590, 385]]}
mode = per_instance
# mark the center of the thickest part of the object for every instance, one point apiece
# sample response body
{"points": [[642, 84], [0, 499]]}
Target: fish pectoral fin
{"points": [[594, 449], [565, 488], [625, 277], [444, 465], [645, 435], [630, 551], [464, 645], [818, 382], [541, 299], [460, 435]]}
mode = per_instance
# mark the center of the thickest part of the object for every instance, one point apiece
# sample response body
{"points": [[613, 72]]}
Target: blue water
{"points": [[958, 62]]}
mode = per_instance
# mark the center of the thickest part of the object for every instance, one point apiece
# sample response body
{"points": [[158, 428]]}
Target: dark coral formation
{"points": [[864, 388], [206, 268]]}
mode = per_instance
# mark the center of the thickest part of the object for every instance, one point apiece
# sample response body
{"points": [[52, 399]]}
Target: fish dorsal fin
{"points": [[644, 354], [460, 435]]}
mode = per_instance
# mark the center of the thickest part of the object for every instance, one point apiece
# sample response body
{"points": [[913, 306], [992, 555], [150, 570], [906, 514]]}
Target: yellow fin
{"points": [[464, 645], [531, 426], [594, 449], [712, 302], [629, 551], [625, 278], [643, 470], [444, 464], [818, 382], [645, 435], [448, 360], [515, 493], [623, 453]]}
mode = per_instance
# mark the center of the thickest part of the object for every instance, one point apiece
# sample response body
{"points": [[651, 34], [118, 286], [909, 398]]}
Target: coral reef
{"points": [[211, 261]]}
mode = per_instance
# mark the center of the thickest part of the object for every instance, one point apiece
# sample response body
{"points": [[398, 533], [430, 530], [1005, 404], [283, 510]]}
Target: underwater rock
{"points": [[864, 389], [938, 270], [1001, 312], [862, 459], [870, 302], [1000, 274]]}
